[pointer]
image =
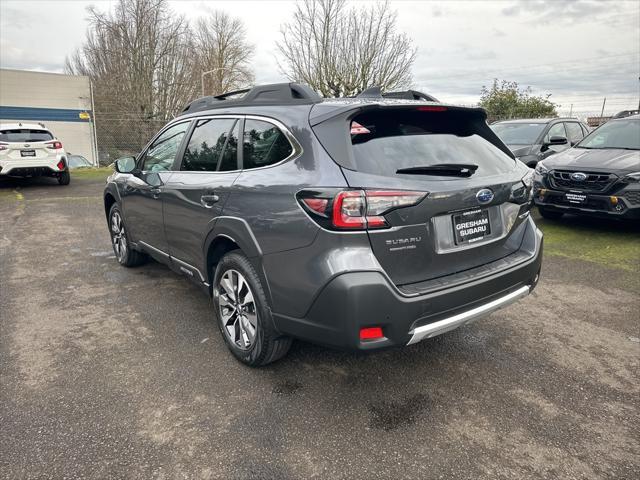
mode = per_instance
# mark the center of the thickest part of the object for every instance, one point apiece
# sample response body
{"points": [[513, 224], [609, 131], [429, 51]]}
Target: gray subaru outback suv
{"points": [[358, 223]]}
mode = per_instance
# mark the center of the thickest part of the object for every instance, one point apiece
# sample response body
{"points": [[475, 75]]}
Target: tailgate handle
{"points": [[208, 201]]}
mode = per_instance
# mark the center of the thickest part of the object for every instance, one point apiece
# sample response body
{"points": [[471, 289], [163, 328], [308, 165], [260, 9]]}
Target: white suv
{"points": [[30, 150]]}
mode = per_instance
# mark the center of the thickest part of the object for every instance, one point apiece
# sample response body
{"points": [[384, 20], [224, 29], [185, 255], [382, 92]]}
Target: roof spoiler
{"points": [[274, 94]]}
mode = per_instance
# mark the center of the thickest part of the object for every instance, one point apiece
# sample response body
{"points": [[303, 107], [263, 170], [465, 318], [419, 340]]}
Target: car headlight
{"points": [[632, 177], [541, 169]]}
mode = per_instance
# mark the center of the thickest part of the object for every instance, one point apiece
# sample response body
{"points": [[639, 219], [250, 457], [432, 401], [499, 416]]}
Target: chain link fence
{"points": [[121, 134]]}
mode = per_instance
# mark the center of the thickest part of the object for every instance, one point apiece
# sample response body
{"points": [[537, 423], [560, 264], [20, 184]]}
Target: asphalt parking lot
{"points": [[108, 372]]}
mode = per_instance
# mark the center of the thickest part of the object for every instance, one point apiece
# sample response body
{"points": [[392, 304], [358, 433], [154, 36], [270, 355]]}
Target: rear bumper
{"points": [[356, 300], [45, 167], [24, 172], [627, 206]]}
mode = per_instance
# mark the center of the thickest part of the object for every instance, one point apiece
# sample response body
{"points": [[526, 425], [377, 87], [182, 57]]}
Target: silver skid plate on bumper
{"points": [[446, 324]]}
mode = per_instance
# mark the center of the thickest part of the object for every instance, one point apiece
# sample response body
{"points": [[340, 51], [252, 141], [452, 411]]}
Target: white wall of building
{"points": [[59, 101]]}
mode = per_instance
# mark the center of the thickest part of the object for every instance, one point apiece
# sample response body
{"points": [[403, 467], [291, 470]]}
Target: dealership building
{"points": [[63, 103]]}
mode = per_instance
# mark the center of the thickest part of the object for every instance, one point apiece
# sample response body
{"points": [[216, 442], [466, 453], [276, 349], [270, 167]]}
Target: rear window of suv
{"points": [[384, 142], [25, 135]]}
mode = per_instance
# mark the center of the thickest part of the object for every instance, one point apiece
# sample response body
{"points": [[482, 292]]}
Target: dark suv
{"points": [[358, 223], [532, 140], [599, 177]]}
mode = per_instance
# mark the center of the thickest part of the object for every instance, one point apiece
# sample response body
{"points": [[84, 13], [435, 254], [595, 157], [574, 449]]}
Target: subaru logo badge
{"points": [[578, 176], [484, 196], [27, 145]]}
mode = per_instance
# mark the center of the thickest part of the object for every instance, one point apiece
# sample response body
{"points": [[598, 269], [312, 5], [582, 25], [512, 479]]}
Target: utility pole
{"points": [[571, 110], [207, 73], [602, 111]]}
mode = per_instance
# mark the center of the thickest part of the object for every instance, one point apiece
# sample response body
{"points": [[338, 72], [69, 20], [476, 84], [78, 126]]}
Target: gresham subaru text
{"points": [[357, 223]]}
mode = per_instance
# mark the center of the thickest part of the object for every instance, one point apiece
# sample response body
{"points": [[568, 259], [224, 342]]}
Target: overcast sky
{"points": [[579, 51]]}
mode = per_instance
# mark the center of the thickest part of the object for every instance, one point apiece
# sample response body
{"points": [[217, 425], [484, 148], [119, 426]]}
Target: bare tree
{"points": [[145, 64], [138, 58], [221, 49], [340, 51]]}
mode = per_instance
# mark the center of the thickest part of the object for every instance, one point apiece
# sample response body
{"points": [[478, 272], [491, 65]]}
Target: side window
{"points": [[163, 150], [556, 131], [229, 159], [263, 144], [206, 145], [574, 131]]}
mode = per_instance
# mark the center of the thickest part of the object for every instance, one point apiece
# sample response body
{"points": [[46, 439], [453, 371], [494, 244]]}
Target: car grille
{"points": [[595, 182], [633, 197]]}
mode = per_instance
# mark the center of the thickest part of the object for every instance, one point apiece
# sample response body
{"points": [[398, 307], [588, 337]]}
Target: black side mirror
{"points": [[125, 164], [558, 141]]}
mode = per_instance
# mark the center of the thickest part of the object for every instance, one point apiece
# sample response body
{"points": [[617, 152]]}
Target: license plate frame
{"points": [[27, 153], [471, 226], [575, 198]]}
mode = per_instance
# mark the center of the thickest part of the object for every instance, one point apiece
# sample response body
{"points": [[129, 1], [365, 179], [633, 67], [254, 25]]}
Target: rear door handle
{"points": [[208, 201]]}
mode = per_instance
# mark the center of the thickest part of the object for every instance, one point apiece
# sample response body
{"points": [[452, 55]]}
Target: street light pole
{"points": [[207, 73]]}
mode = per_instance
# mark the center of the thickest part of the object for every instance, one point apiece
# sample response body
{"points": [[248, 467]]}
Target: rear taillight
{"points": [[355, 209], [55, 145], [3, 146]]}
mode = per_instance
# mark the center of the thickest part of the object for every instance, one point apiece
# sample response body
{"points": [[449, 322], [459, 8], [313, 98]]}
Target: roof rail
{"points": [[376, 92], [274, 94]]}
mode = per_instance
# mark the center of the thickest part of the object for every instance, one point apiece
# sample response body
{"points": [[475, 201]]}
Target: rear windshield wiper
{"points": [[442, 169]]}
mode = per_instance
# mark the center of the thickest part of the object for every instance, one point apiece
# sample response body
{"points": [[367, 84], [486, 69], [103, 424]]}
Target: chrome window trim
{"points": [[295, 145]]}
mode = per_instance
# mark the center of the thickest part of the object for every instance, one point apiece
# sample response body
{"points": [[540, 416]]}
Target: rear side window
{"points": [[263, 144], [25, 135], [206, 145], [384, 142]]}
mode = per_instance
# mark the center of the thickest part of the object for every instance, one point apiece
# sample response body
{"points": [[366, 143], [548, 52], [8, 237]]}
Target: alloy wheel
{"points": [[237, 309], [118, 236]]}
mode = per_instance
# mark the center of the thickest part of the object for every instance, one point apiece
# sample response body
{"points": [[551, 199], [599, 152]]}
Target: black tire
{"points": [[64, 178], [266, 346], [550, 214], [125, 254]]}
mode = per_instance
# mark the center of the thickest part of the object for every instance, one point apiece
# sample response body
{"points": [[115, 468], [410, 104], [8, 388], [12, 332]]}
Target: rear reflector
{"points": [[60, 165], [371, 333]]}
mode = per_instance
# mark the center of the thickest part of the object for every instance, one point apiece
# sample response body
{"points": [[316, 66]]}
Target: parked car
{"points": [[626, 113], [78, 161], [532, 140], [31, 150], [599, 177], [360, 223]]}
